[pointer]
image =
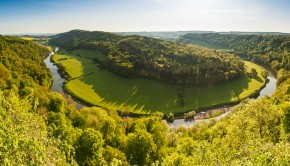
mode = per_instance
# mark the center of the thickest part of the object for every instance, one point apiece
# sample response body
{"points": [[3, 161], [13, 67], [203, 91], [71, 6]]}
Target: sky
{"points": [[54, 16]]}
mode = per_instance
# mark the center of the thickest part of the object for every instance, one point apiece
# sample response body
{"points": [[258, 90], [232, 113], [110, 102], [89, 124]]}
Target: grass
{"points": [[140, 95], [27, 38], [206, 44], [90, 54]]}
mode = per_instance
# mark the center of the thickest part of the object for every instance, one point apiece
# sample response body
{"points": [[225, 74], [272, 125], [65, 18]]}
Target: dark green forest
{"points": [[270, 50], [133, 56], [39, 127]]}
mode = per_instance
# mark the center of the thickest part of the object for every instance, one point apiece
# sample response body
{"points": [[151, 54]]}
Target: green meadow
{"points": [[206, 45], [27, 38], [101, 87]]}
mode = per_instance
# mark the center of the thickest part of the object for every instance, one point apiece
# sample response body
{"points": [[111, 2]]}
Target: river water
{"points": [[270, 86], [268, 90], [58, 82]]}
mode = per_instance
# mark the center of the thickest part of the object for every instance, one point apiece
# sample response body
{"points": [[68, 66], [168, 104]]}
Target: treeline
{"points": [[24, 99], [133, 56], [54, 132], [270, 50], [257, 133]]}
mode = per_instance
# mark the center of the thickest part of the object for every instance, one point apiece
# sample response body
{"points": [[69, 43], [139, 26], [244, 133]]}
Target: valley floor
{"points": [[97, 86]]}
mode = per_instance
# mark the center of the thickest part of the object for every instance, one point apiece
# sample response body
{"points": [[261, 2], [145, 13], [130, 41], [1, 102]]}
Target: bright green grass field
{"points": [[27, 38], [206, 45], [103, 88]]}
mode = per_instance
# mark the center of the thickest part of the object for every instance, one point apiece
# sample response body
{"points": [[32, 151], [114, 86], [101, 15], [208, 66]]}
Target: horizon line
{"points": [[143, 31]]}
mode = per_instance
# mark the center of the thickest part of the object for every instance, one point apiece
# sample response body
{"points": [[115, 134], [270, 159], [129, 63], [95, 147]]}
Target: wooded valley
{"points": [[132, 56], [39, 127]]}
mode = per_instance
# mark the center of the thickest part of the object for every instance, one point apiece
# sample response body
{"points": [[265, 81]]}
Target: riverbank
{"points": [[268, 90], [143, 96], [59, 82]]}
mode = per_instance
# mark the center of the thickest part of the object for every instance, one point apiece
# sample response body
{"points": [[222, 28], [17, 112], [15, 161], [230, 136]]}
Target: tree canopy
{"points": [[270, 50], [133, 56], [46, 130]]}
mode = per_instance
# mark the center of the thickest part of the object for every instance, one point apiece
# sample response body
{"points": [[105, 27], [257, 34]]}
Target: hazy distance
{"points": [[53, 16]]}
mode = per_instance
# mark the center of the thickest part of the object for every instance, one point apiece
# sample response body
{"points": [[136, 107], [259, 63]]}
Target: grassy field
{"points": [[141, 95], [206, 44], [27, 38]]}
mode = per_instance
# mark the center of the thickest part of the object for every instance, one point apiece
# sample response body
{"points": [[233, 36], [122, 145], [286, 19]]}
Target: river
{"points": [[58, 82], [268, 90], [270, 86]]}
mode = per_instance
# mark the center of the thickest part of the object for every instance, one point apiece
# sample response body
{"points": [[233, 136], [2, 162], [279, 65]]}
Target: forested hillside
{"points": [[21, 66], [24, 98], [46, 130], [133, 56], [270, 50], [256, 133]]}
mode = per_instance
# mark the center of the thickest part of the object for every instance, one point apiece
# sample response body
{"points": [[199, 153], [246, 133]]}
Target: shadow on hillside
{"points": [[150, 94]]}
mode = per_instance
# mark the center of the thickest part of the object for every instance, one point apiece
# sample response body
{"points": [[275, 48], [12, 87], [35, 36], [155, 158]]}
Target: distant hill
{"points": [[270, 50], [50, 131], [171, 35], [133, 56], [253, 33], [167, 35], [32, 34]]}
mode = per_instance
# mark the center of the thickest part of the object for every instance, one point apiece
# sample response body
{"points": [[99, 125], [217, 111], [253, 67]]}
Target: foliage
{"points": [[56, 102], [140, 147], [22, 68], [216, 113], [23, 136], [96, 86], [169, 117], [133, 56], [89, 147], [189, 115], [256, 133], [270, 50], [113, 156], [250, 135]]}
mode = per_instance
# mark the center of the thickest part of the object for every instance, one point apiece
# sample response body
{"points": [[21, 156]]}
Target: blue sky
{"points": [[53, 16]]}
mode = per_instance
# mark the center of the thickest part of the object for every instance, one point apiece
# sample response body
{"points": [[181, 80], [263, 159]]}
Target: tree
{"points": [[114, 156], [57, 102], [254, 73], [89, 148], [140, 148], [286, 120], [23, 135]]}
